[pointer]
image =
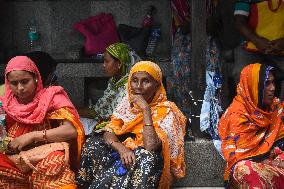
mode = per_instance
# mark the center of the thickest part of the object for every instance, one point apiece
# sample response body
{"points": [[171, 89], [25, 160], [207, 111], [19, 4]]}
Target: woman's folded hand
{"points": [[127, 157], [20, 142]]}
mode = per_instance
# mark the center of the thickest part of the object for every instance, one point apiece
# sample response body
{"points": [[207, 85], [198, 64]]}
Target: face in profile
{"points": [[23, 85], [111, 65], [142, 83], [269, 90]]}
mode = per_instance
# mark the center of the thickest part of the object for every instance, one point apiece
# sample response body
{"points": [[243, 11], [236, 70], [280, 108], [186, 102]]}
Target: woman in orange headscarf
{"points": [[35, 116], [252, 132], [143, 145]]}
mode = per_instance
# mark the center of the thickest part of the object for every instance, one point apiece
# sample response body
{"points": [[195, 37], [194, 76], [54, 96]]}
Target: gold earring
{"points": [[36, 80]]}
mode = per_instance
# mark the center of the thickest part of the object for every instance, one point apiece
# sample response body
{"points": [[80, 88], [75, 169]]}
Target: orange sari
{"points": [[130, 120], [48, 109], [246, 130], [12, 177]]}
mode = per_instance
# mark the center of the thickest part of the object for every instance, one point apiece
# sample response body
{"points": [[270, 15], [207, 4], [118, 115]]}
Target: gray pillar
{"points": [[199, 38]]}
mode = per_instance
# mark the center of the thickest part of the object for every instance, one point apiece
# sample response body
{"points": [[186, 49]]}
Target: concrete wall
{"points": [[56, 17]]}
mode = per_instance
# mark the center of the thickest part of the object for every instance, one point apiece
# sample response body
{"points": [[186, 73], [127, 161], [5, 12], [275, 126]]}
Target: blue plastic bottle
{"points": [[33, 36]]}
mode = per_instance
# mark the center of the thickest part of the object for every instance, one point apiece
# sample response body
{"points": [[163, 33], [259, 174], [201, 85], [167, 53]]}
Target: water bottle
{"points": [[155, 35], [33, 35], [3, 133]]}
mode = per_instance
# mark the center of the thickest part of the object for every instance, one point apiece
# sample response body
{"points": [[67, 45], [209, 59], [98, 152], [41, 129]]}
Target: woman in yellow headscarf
{"points": [[143, 145], [252, 132]]}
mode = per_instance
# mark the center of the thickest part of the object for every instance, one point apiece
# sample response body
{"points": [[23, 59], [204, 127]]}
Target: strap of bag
{"points": [[66, 160]]}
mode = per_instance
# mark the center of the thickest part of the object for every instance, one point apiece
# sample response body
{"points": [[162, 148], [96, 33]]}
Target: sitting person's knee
{"points": [[146, 155]]}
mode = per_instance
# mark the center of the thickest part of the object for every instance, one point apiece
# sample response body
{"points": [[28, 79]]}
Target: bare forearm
{"points": [[244, 29], [113, 141], [64, 132], [150, 138]]}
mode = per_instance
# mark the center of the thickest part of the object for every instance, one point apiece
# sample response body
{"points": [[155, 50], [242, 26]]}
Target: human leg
{"points": [[96, 166], [145, 173], [250, 174], [10, 176], [52, 173]]}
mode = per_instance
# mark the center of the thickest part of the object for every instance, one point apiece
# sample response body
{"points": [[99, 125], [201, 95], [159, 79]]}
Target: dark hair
{"points": [[44, 62]]}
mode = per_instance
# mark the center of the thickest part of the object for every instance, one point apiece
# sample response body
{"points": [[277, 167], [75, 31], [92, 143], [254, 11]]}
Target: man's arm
{"points": [[242, 11]]}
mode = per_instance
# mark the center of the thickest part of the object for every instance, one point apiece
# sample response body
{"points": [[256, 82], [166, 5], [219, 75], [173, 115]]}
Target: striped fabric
{"points": [[242, 7]]}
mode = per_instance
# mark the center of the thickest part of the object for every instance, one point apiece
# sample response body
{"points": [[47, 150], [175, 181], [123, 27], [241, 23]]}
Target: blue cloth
{"points": [[120, 169], [211, 109]]}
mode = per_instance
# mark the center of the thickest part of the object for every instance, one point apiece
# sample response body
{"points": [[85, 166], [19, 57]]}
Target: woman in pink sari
{"points": [[35, 116]]}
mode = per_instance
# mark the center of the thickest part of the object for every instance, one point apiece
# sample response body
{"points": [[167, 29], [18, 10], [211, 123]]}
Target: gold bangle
{"points": [[149, 125], [278, 162], [112, 142]]}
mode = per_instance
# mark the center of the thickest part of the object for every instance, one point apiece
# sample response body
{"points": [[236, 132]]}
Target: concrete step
{"points": [[205, 166]]}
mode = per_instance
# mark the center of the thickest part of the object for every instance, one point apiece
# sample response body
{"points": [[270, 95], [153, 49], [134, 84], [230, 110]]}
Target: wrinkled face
{"points": [[23, 85], [269, 90], [142, 83], [111, 66]]}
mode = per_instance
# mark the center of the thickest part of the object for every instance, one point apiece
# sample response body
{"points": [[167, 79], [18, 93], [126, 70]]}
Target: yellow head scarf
{"points": [[155, 71]]}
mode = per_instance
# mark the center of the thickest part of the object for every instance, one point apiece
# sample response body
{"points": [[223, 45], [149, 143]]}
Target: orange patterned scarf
{"points": [[130, 120], [246, 130]]}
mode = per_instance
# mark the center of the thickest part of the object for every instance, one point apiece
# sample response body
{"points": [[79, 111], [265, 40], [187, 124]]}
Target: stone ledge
{"points": [[93, 69], [205, 166], [71, 76]]}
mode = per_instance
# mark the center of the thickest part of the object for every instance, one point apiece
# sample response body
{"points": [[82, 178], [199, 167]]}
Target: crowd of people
{"points": [[133, 137]]}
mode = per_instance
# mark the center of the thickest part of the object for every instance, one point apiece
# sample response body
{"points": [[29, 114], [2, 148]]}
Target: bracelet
{"points": [[112, 142], [278, 162], [148, 125], [44, 135]]}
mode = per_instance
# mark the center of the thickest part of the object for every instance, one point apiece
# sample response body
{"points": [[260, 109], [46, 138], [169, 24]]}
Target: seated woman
{"points": [[143, 145], [35, 116], [118, 59], [252, 132]]}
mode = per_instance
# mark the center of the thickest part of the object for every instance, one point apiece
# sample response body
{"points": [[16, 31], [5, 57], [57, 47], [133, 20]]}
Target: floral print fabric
{"points": [[259, 175], [104, 107], [179, 83], [101, 168]]}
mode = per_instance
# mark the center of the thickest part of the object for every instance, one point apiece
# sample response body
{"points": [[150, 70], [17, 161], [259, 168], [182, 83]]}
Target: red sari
{"points": [[48, 109], [249, 134]]}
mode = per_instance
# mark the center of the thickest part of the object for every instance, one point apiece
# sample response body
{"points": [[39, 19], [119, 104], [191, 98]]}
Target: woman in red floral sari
{"points": [[37, 115], [252, 132]]}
